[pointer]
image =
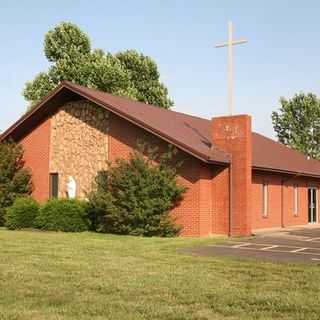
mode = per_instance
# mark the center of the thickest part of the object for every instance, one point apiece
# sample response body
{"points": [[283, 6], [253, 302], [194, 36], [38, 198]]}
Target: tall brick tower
{"points": [[233, 135]]}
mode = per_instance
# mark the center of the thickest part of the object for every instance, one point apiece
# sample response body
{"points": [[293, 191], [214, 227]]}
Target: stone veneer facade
{"points": [[79, 145]]}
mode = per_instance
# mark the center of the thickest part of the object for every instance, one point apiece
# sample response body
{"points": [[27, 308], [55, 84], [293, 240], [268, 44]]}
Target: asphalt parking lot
{"points": [[289, 245]]}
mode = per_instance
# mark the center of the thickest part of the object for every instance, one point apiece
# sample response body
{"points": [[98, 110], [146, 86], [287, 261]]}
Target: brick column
{"points": [[205, 205], [220, 201], [233, 135]]}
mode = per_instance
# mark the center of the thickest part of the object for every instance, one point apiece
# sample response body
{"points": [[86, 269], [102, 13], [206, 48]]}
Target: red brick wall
{"points": [[220, 199], [273, 219], [289, 218], [281, 200], [233, 135], [36, 156], [195, 211]]}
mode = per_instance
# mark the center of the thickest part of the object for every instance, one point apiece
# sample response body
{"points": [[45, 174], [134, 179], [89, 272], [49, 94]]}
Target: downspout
{"points": [[230, 198]]}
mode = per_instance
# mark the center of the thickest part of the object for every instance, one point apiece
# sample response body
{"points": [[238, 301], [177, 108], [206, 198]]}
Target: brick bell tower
{"points": [[233, 135]]}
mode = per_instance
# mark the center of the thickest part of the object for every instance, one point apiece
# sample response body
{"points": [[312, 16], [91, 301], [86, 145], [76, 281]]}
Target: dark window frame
{"points": [[54, 185]]}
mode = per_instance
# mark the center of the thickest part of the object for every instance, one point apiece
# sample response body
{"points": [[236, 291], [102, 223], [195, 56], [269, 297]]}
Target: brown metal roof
{"points": [[274, 156], [189, 133]]}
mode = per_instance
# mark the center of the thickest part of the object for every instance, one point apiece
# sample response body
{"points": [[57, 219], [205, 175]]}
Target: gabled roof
{"points": [[189, 133]]}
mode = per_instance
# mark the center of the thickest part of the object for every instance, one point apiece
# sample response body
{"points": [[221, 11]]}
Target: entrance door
{"points": [[312, 205]]}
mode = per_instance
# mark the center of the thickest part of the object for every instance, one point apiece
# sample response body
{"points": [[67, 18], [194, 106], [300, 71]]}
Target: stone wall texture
{"points": [[79, 145]]}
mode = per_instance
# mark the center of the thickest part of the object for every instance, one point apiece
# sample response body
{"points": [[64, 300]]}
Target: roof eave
{"points": [[27, 115], [275, 170]]}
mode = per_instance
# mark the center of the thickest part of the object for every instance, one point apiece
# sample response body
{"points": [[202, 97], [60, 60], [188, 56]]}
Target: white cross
{"points": [[229, 44]]}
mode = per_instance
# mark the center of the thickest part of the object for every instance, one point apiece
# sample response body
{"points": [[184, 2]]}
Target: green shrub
{"points": [[15, 180], [22, 213], [63, 215], [135, 196], [100, 203]]}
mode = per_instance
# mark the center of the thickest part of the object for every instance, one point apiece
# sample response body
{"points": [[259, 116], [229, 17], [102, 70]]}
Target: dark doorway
{"points": [[312, 205]]}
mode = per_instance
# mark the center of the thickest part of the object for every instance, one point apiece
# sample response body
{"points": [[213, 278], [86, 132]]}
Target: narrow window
{"points": [[265, 199], [54, 182], [295, 200]]}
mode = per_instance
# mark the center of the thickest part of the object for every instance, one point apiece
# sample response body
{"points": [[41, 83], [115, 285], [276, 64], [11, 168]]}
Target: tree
{"points": [[15, 180], [297, 123], [128, 73], [144, 75], [135, 196]]}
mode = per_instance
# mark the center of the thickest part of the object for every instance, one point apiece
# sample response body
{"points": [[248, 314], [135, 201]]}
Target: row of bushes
{"points": [[133, 197], [56, 215]]}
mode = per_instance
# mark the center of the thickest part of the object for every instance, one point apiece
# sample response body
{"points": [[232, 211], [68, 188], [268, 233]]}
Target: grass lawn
{"points": [[92, 276]]}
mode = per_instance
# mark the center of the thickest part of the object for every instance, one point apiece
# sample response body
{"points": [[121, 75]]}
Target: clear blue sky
{"points": [[281, 57]]}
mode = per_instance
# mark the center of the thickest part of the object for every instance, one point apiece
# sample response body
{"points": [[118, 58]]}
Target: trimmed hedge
{"points": [[22, 213], [66, 215]]}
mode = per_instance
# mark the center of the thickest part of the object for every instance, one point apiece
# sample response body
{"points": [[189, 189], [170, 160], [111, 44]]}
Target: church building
{"points": [[238, 181]]}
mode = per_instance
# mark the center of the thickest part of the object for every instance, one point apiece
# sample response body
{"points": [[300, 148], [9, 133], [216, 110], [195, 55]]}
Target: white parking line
{"points": [[268, 248], [268, 245], [315, 259], [313, 239], [298, 250], [243, 244]]}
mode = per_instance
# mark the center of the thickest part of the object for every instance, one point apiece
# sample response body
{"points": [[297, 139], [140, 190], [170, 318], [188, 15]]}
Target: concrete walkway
{"points": [[289, 245]]}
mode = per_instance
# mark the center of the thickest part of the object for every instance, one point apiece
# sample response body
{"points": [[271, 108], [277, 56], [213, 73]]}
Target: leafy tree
{"points": [[66, 40], [136, 195], [144, 75], [15, 180], [126, 73], [297, 123]]}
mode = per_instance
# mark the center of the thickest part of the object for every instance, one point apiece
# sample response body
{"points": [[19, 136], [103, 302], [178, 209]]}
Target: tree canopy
{"points": [[127, 73], [297, 123]]}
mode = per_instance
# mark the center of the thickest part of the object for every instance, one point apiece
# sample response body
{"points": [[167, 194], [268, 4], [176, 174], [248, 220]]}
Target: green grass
{"points": [[93, 276]]}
